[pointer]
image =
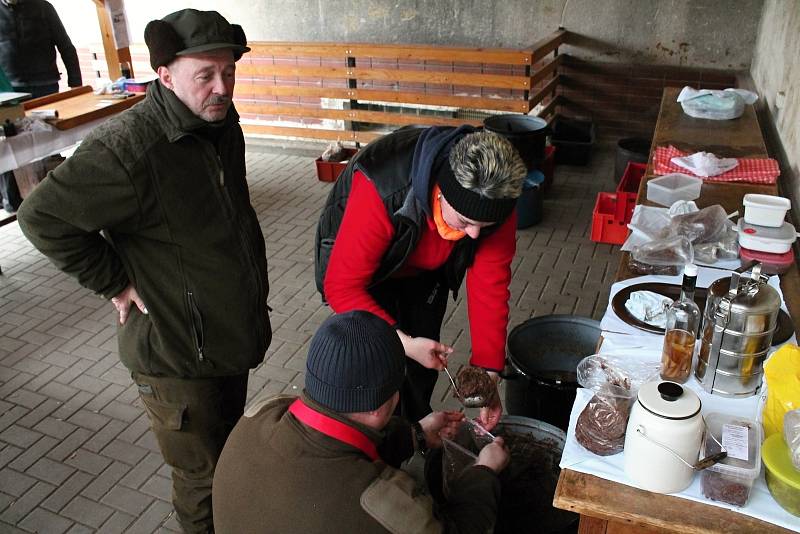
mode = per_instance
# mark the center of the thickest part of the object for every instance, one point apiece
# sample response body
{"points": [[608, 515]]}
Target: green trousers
{"points": [[191, 419]]}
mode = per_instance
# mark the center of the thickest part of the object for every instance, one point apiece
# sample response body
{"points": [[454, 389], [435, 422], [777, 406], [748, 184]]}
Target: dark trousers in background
{"points": [[418, 303], [8, 185], [191, 419]]}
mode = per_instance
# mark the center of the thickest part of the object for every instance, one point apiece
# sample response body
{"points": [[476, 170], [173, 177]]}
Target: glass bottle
{"points": [[680, 334]]}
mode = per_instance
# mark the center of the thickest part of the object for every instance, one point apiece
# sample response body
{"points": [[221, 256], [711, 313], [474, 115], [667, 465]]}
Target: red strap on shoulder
{"points": [[333, 428]]}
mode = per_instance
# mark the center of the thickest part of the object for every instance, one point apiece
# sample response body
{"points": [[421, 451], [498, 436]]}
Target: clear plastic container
{"points": [[670, 188], [731, 479], [765, 210]]}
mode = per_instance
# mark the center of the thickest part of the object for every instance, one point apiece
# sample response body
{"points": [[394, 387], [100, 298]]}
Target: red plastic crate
{"points": [[329, 171], [628, 187], [608, 222], [631, 178], [548, 166]]}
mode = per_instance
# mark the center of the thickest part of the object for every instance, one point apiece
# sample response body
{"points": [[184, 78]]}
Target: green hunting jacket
{"points": [[168, 192]]}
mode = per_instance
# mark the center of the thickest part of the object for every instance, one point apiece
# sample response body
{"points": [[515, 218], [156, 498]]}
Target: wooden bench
{"points": [[356, 92]]}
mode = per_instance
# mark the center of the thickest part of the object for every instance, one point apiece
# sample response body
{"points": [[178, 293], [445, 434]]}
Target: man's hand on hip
{"points": [[122, 303]]}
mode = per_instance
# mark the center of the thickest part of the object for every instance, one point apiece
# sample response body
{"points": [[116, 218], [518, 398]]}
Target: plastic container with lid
{"points": [[770, 263], [783, 480], [731, 479], [765, 239], [670, 188], [765, 210]]}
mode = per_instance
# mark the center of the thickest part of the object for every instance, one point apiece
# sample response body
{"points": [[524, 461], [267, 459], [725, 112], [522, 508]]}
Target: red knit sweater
{"points": [[366, 233]]}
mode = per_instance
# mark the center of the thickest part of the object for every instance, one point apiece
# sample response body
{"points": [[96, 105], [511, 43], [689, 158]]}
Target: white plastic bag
{"points": [[715, 104], [791, 434], [335, 152], [615, 381], [675, 251]]}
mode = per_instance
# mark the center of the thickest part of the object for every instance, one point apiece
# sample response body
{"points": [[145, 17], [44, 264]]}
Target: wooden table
{"points": [[613, 508], [77, 109], [79, 106]]}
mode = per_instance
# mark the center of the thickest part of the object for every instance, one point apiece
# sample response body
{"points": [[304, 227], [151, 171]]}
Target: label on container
{"points": [[734, 440]]}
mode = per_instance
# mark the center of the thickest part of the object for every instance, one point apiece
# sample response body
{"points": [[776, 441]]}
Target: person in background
{"points": [[412, 214], [181, 255], [328, 460], [30, 32]]}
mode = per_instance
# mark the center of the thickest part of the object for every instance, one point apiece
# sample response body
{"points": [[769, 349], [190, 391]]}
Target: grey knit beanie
{"points": [[355, 363]]}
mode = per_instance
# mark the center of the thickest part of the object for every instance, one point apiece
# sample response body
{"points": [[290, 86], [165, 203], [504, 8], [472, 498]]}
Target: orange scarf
{"points": [[445, 231]]}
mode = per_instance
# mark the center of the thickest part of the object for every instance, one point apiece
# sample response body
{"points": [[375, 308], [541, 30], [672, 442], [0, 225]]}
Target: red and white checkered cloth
{"points": [[752, 170]]}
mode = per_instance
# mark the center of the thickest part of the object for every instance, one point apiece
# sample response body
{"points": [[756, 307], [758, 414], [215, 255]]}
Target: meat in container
{"points": [[731, 479]]}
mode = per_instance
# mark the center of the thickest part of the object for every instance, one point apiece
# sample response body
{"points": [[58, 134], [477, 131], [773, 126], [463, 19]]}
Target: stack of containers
{"points": [[613, 211], [764, 236]]}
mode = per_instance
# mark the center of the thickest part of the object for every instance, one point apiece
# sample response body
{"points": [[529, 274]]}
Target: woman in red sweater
{"points": [[416, 211]]}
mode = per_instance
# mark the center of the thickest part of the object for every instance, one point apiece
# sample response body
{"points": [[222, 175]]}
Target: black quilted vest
{"points": [[387, 162]]}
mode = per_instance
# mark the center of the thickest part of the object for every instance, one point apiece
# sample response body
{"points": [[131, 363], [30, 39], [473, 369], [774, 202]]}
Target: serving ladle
{"points": [[477, 401]]}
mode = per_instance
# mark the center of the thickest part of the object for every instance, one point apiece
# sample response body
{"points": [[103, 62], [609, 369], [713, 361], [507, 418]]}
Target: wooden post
{"points": [[114, 55]]}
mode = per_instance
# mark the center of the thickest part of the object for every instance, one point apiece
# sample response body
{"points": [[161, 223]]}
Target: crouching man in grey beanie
{"points": [[328, 461]]}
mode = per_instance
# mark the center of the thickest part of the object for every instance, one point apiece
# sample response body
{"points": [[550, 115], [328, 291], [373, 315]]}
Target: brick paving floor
{"points": [[76, 454]]}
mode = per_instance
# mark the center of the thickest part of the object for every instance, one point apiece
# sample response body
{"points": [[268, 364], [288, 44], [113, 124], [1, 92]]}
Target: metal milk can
{"points": [[740, 317]]}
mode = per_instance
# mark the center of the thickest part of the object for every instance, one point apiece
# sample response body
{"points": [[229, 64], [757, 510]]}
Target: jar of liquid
{"points": [[680, 334]]}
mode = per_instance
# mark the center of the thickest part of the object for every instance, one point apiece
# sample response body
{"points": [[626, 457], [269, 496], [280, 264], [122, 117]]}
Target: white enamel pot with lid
{"points": [[663, 438]]}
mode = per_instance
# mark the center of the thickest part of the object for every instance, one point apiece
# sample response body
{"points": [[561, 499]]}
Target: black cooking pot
{"points": [[527, 133], [543, 355]]}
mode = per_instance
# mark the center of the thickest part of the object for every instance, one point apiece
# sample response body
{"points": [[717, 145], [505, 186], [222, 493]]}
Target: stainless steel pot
{"points": [[740, 317]]}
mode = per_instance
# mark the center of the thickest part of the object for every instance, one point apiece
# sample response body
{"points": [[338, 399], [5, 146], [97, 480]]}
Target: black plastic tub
{"points": [[630, 149], [528, 134], [543, 355], [573, 139]]}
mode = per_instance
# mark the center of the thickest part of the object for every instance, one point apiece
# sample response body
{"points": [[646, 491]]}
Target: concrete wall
{"points": [[776, 73], [697, 33]]}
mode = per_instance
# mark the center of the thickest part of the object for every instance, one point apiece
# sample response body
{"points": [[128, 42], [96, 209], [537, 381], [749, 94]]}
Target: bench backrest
{"points": [[355, 92]]}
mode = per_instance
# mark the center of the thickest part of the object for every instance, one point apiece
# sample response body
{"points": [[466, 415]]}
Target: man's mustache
{"points": [[217, 100]]}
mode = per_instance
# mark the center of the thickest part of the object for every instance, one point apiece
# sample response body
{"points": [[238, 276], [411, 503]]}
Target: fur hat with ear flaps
{"points": [[190, 31]]}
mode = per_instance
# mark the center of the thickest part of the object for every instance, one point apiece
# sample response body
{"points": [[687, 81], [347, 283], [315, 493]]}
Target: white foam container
{"points": [[668, 189], [766, 239], [765, 210]]}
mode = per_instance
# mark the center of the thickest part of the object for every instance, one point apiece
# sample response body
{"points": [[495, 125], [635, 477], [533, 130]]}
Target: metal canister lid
{"points": [[760, 299], [669, 400]]}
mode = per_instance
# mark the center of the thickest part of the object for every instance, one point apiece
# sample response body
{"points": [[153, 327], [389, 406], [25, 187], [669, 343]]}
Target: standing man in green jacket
{"points": [[328, 461], [182, 256]]}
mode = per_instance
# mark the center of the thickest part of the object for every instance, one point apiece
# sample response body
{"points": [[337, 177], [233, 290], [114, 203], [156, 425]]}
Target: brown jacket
{"points": [[276, 475]]}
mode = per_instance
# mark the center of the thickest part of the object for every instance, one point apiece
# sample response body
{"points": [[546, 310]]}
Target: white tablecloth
{"points": [[27, 147], [705, 277], [622, 339]]}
